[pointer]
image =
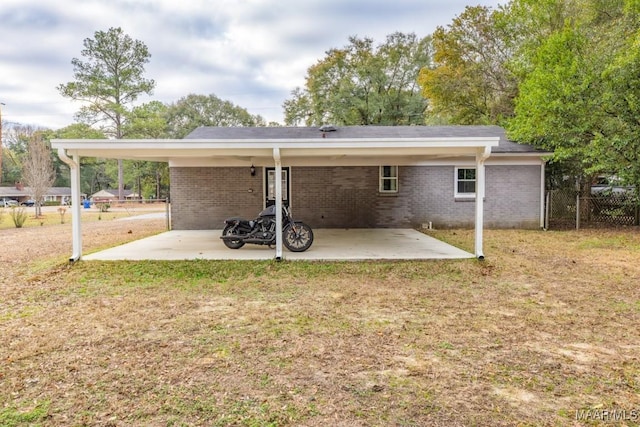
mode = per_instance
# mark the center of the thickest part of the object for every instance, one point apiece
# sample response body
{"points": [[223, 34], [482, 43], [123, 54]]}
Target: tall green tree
{"points": [[148, 120], [617, 146], [150, 179], [93, 171], [108, 80], [556, 108], [579, 82], [364, 84], [194, 110], [470, 81]]}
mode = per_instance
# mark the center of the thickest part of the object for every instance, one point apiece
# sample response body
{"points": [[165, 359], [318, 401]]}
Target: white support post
{"points": [[480, 191], [76, 209], [76, 204], [278, 178]]}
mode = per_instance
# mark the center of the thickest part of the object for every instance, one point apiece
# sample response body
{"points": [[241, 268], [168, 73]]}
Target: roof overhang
{"points": [[296, 152]]}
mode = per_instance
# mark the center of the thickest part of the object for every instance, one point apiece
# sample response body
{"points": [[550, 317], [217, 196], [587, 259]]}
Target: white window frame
{"points": [[383, 179], [456, 180]]}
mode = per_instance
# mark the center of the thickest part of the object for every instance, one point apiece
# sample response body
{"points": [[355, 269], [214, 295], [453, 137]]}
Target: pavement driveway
{"points": [[329, 244]]}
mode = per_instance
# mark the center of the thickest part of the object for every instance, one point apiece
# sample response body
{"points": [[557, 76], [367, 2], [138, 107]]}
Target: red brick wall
{"points": [[335, 197], [201, 198], [348, 197]]}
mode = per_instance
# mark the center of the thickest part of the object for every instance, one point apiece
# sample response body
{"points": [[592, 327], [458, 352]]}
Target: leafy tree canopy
{"points": [[470, 82], [579, 87], [91, 167], [193, 110], [364, 84], [148, 121], [108, 79]]}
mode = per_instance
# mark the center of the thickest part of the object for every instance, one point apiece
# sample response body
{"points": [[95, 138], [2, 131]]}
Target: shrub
{"points": [[19, 217], [62, 211], [104, 207]]}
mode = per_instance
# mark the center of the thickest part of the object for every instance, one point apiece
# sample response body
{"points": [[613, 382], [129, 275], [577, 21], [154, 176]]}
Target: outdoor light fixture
{"points": [[252, 169]]}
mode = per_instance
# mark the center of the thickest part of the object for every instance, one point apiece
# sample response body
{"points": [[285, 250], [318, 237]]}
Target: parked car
{"points": [[8, 203], [610, 186], [28, 203]]}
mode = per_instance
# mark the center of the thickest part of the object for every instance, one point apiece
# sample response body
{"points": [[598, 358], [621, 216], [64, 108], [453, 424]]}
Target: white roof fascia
{"points": [[521, 154], [175, 149], [160, 144]]}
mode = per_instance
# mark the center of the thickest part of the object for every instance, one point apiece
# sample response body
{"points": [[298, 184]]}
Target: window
{"points": [[271, 184], [465, 182], [388, 179]]}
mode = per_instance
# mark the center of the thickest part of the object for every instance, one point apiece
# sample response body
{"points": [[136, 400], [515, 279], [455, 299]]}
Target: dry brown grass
{"points": [[546, 326]]}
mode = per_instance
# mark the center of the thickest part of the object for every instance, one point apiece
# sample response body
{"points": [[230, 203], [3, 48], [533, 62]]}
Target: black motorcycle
{"points": [[296, 235]]}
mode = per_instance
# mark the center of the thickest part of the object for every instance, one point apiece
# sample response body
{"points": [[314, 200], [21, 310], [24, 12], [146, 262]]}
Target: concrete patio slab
{"points": [[329, 244]]}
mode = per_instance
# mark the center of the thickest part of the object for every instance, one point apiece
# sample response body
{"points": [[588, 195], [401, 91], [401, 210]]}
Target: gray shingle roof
{"points": [[364, 132], [59, 191], [26, 191], [115, 192]]}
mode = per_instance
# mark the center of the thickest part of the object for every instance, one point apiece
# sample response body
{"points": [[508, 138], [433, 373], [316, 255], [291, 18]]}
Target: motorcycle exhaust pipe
{"points": [[257, 241], [230, 238], [254, 241]]}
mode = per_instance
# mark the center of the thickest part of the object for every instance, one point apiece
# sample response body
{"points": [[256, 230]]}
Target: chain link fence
{"points": [[568, 209]]}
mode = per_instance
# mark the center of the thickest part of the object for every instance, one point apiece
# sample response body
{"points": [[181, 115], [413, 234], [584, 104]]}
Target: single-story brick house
{"points": [[343, 177], [111, 194], [21, 193]]}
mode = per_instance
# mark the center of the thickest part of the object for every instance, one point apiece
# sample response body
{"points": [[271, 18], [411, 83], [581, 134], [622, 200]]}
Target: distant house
{"points": [[111, 195], [58, 194], [20, 193]]}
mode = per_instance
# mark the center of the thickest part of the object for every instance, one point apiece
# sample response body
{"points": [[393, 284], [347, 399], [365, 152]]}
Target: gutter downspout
{"points": [[74, 166], [481, 157], [278, 179]]}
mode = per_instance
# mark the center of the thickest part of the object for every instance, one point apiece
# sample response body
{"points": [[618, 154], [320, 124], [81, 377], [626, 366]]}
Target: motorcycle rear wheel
{"points": [[297, 238], [231, 244]]}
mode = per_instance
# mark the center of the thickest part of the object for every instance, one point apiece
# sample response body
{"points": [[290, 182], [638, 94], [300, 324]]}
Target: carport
{"points": [[300, 148], [330, 245]]}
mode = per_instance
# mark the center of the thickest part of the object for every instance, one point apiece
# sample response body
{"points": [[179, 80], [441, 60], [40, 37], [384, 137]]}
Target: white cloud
{"points": [[251, 52]]}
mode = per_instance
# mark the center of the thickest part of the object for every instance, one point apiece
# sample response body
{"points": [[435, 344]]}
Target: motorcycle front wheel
{"points": [[297, 237], [231, 244]]}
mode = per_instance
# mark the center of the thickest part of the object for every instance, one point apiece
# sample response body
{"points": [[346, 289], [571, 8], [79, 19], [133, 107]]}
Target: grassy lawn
{"points": [[52, 215], [545, 328]]}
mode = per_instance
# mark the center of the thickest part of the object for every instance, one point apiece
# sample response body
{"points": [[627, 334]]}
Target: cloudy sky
{"points": [[250, 52]]}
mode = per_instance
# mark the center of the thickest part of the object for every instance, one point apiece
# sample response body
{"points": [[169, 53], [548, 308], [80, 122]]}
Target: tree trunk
{"points": [[157, 182], [120, 180]]}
